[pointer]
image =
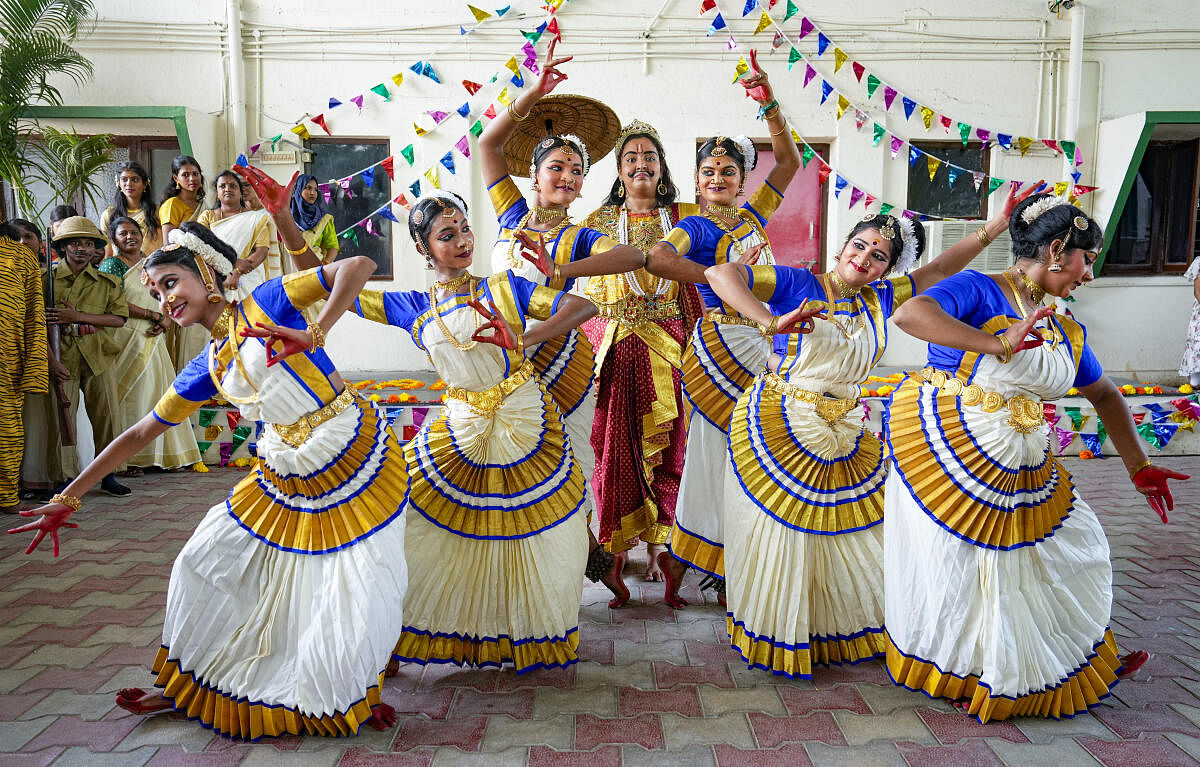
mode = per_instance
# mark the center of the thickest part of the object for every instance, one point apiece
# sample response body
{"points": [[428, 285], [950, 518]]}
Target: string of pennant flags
{"points": [[875, 84], [515, 69], [1157, 423]]}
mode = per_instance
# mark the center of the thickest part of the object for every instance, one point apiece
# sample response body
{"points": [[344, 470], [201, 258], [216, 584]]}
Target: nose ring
{"points": [[170, 299]]}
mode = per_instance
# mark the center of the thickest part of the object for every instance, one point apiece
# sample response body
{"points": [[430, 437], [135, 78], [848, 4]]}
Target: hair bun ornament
{"points": [[908, 250], [1034, 211], [202, 250], [749, 153]]}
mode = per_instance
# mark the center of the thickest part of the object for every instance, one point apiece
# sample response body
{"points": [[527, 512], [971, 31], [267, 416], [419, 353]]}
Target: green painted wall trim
{"points": [[1153, 119], [177, 115]]}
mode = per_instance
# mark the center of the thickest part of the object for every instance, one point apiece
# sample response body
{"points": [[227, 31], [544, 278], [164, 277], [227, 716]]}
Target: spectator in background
{"points": [[134, 199], [315, 224], [181, 201]]}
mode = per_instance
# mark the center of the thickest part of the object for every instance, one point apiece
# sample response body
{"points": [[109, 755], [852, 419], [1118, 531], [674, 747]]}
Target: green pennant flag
{"points": [[350, 235], [382, 90], [964, 130], [994, 184], [880, 131], [205, 417], [407, 154], [275, 141], [1101, 432], [240, 434], [477, 128], [792, 10], [885, 209], [872, 85], [807, 155], [203, 447], [532, 37], [1068, 148], [793, 57], [1076, 418], [1146, 429]]}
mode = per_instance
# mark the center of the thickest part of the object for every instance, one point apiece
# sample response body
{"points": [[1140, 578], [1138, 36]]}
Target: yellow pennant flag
{"points": [[742, 68], [796, 136], [302, 132], [933, 163], [1183, 421], [478, 14], [504, 98], [398, 78], [764, 21], [843, 103], [927, 117], [839, 58], [419, 130], [512, 66], [432, 175], [1060, 188], [1023, 144]]}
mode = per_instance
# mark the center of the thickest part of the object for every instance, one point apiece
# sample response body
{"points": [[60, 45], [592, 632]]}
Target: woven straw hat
{"points": [[76, 227], [594, 122]]}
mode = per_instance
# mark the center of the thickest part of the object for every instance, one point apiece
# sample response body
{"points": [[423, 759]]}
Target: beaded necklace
{"points": [[662, 285], [449, 285]]}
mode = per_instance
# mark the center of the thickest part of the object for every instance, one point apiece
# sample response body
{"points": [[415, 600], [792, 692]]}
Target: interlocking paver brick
{"points": [[787, 755], [684, 701], [668, 675], [953, 727], [975, 753], [1130, 723], [1060, 752], [691, 756], [680, 731], [872, 755], [448, 756], [470, 702], [665, 651], [362, 757], [842, 696], [505, 732], [770, 731], [764, 700], [898, 725], [591, 731], [606, 756], [1151, 751], [551, 701], [419, 732]]}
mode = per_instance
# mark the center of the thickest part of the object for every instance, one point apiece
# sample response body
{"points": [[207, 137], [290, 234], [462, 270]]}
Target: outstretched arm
{"points": [[731, 282], [498, 131], [924, 318], [572, 312], [783, 147], [663, 261]]}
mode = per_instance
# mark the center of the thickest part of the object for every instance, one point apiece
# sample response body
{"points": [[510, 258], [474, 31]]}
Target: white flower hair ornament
{"points": [[908, 252], [749, 153], [205, 252], [580, 147], [1030, 214]]}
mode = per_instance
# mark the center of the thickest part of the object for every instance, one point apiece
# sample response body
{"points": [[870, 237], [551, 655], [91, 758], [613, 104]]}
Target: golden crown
{"points": [[636, 128]]}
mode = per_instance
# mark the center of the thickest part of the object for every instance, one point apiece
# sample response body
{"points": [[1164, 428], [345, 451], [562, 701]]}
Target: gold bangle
{"points": [[768, 331], [69, 501], [555, 274], [984, 238], [512, 112], [299, 252], [1143, 465], [317, 334], [782, 128], [1008, 351]]}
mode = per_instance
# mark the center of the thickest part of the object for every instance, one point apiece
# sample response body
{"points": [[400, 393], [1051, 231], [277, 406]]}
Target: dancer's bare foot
{"points": [[615, 582], [138, 701], [962, 704], [673, 570], [1132, 662], [392, 668], [654, 573], [383, 716]]}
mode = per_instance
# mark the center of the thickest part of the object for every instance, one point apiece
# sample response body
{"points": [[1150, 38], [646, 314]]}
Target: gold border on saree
{"points": [[729, 319]]}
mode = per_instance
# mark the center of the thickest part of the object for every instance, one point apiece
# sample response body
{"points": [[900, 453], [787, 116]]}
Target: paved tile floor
{"points": [[655, 686]]}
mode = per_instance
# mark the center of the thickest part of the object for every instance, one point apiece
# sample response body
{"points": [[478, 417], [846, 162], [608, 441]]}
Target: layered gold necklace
{"points": [[449, 286], [846, 291], [514, 260], [223, 329], [1036, 294]]}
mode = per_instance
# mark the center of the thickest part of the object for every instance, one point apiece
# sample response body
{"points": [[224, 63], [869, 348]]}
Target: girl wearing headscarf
{"points": [[315, 224]]}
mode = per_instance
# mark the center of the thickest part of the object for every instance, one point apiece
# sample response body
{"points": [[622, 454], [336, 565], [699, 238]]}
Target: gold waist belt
{"points": [[488, 401], [830, 409], [729, 319], [296, 434], [1024, 414], [638, 310]]}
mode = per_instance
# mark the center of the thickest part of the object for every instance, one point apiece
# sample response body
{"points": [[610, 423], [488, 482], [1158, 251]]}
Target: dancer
{"points": [[998, 580], [142, 370], [560, 253], [273, 625], [804, 481], [639, 430], [497, 544], [725, 350], [244, 230]]}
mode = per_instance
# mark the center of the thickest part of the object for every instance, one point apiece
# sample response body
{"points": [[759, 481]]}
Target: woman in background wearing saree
{"points": [[246, 231]]}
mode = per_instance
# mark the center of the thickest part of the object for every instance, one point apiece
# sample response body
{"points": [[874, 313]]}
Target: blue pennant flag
{"points": [[839, 184], [909, 106], [461, 30], [368, 176], [415, 189], [749, 7], [501, 11], [241, 160], [822, 44], [448, 161], [334, 103], [826, 89], [465, 109], [427, 70], [517, 80], [717, 23], [914, 154], [388, 214], [1075, 176], [953, 175], [1004, 140]]}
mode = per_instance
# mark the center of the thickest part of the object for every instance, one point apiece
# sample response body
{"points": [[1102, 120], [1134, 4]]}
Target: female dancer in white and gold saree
{"points": [[725, 350], [274, 623], [998, 581], [497, 541], [803, 480]]}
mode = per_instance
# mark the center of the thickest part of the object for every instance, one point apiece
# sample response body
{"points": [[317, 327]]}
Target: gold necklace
{"points": [[1055, 336], [731, 212], [737, 244], [1036, 291], [516, 262], [223, 328], [546, 215], [437, 317], [454, 283], [844, 289]]}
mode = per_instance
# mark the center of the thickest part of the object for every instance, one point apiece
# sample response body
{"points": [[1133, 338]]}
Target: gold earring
{"points": [[741, 189], [621, 190], [662, 188], [1054, 266]]}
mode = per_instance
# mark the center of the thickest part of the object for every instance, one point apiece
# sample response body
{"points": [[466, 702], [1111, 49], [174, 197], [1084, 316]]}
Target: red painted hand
{"points": [[802, 319], [1022, 334], [1152, 483], [534, 251], [755, 82], [53, 516], [1014, 199], [294, 341], [551, 76], [275, 198], [502, 335]]}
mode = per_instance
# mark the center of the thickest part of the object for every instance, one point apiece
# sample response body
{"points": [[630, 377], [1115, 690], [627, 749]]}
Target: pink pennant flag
{"points": [[806, 28], [731, 44], [983, 134], [889, 95], [1065, 438], [254, 149], [438, 117], [463, 147], [809, 74], [869, 201], [897, 143], [371, 227], [946, 123], [358, 101], [1052, 144], [977, 178], [860, 118], [858, 70], [325, 191], [345, 185], [530, 62], [779, 40], [855, 195]]}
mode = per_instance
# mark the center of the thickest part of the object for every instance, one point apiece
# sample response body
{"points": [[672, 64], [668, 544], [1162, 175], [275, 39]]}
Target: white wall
{"points": [[997, 65]]}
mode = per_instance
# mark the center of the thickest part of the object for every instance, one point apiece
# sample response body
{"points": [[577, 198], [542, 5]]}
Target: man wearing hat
{"points": [[89, 306], [23, 362]]}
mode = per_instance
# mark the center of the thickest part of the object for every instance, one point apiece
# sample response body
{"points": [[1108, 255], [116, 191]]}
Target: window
{"points": [[939, 197], [336, 159], [1156, 231]]}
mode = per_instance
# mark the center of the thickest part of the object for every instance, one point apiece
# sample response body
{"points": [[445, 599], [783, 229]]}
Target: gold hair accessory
{"points": [[888, 230], [170, 246], [1080, 223], [868, 217], [567, 149], [636, 128], [447, 211], [547, 142], [718, 150], [418, 217], [206, 276], [317, 334], [74, 503]]}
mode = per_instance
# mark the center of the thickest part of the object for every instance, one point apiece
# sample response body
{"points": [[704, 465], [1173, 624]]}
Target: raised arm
{"points": [[785, 150], [277, 200], [924, 318], [498, 131], [955, 258]]}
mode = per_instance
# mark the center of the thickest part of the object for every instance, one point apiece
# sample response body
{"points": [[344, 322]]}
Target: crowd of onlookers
{"points": [[78, 324]]}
